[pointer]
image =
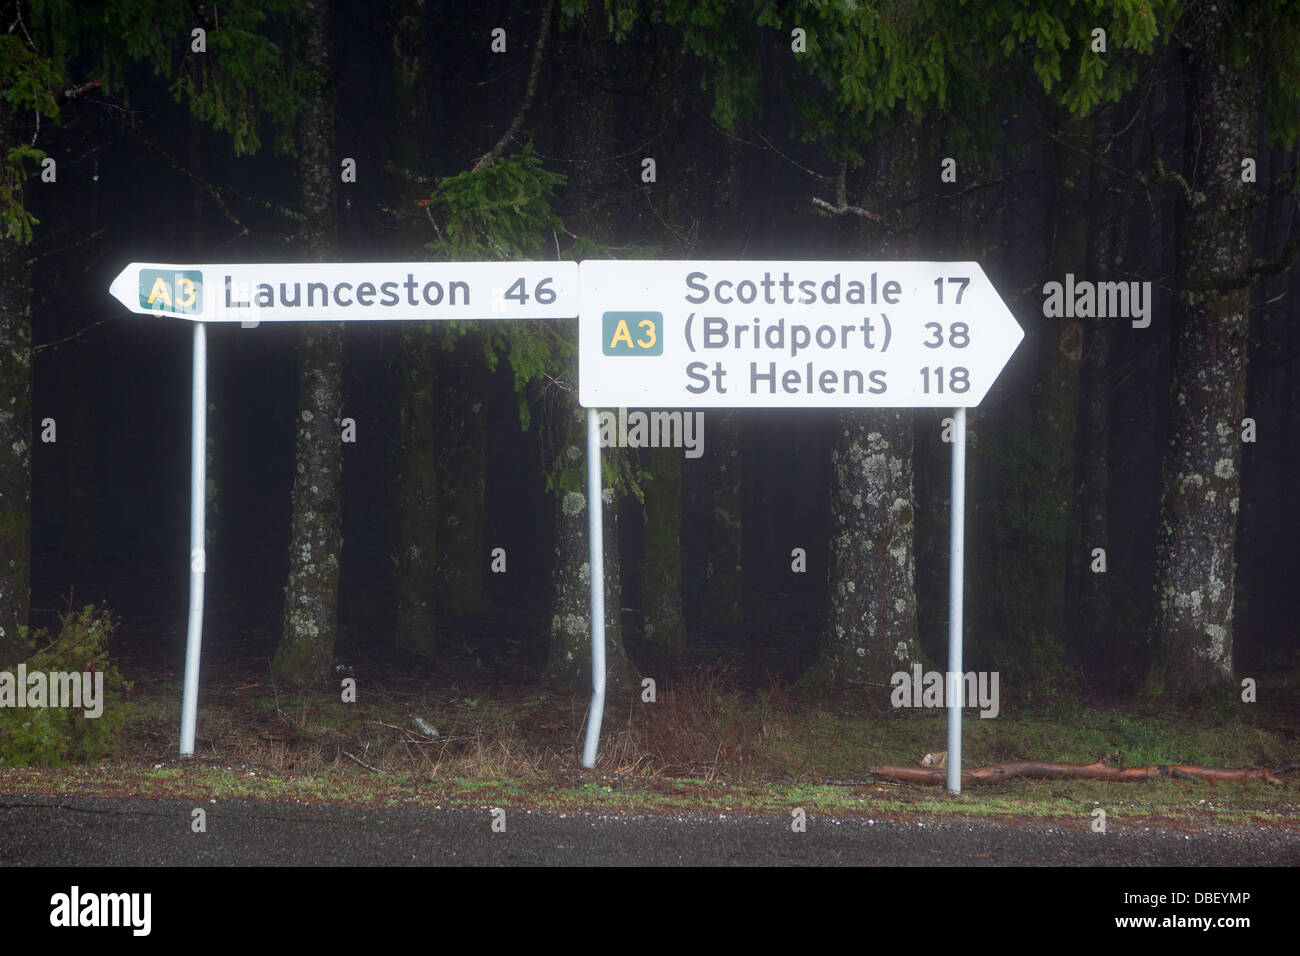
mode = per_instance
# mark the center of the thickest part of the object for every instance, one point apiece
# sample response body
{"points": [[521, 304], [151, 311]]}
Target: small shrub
{"points": [[52, 736]]}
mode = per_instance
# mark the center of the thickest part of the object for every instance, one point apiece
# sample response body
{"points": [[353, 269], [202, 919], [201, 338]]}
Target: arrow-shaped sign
{"points": [[338, 291], [735, 334]]}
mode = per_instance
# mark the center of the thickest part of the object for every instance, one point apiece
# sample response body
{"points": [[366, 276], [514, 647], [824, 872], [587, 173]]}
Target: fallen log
{"points": [[1039, 770]]}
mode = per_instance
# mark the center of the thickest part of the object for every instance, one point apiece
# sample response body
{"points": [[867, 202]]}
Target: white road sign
{"points": [[339, 291], [712, 334]]}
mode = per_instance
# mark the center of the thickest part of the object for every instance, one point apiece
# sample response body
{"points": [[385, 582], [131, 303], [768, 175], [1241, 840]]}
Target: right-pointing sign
{"points": [[712, 334]]}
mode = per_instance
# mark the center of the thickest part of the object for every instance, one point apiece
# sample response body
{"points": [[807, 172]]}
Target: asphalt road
{"points": [[96, 831]]}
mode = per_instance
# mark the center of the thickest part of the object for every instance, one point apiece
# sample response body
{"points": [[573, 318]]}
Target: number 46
{"points": [[541, 292]]}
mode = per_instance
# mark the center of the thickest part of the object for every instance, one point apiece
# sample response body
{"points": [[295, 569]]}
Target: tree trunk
{"points": [[585, 135], [1090, 631], [723, 605], [416, 495], [1052, 551], [661, 565], [461, 430], [1197, 530], [15, 431], [1262, 519], [568, 662], [311, 595], [870, 630], [417, 461], [1096, 643]]}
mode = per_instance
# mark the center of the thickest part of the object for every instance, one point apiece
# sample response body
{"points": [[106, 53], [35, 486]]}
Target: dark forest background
{"points": [[1122, 164]]}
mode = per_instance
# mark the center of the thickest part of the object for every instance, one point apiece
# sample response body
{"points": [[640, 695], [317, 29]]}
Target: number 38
{"points": [[958, 335]]}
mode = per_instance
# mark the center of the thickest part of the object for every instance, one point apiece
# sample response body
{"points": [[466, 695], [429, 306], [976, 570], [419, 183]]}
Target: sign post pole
{"points": [[596, 539], [955, 559], [198, 556]]}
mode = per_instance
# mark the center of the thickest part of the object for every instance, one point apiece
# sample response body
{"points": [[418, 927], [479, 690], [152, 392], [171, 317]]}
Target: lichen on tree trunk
{"points": [[569, 657], [311, 596], [311, 593], [585, 134], [870, 627], [870, 630], [1197, 530]]}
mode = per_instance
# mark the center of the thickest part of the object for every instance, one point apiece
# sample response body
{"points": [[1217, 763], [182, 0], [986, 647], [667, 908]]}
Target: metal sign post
{"points": [[198, 553], [596, 536], [956, 559]]}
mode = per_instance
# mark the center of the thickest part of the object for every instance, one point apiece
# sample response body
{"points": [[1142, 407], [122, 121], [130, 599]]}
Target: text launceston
{"points": [[342, 294]]}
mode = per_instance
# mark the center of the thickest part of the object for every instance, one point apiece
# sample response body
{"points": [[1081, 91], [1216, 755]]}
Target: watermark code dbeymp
{"points": [[83, 691], [928, 690]]}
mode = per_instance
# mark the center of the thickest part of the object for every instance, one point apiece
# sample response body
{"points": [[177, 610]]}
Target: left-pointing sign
{"points": [[250, 293]]}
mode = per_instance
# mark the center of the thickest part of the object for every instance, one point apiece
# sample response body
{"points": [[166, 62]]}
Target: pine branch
{"points": [[364, 764], [813, 174], [74, 92], [493, 154], [198, 180], [1271, 267], [74, 337], [1150, 183], [845, 209]]}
